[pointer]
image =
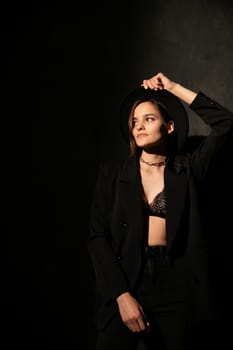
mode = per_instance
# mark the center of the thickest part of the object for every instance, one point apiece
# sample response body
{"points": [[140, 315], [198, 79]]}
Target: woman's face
{"points": [[149, 127]]}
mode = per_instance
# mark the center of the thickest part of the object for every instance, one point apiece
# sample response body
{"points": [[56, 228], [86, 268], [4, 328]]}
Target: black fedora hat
{"points": [[172, 104]]}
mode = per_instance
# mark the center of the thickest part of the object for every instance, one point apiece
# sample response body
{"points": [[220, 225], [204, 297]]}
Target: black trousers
{"points": [[161, 294]]}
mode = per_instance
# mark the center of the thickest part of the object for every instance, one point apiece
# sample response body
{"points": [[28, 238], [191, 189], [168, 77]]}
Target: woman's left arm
{"points": [[220, 121], [217, 117]]}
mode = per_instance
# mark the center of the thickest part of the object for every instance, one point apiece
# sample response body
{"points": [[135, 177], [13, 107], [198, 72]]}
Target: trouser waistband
{"points": [[159, 251]]}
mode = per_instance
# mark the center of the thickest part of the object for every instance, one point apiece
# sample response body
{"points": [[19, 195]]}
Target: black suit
{"points": [[118, 222]]}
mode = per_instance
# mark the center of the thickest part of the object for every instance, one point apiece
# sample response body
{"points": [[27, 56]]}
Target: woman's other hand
{"points": [[132, 313]]}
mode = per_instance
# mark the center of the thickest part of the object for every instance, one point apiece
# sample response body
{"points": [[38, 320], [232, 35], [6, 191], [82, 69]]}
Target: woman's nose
{"points": [[140, 125]]}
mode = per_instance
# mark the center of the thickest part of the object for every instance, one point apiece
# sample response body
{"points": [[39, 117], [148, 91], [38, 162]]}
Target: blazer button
{"points": [[123, 224], [195, 281]]}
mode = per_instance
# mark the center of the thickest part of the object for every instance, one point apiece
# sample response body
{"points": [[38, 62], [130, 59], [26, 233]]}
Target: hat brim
{"points": [[174, 107]]}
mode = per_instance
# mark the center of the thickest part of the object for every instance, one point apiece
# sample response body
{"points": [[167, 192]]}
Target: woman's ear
{"points": [[170, 126]]}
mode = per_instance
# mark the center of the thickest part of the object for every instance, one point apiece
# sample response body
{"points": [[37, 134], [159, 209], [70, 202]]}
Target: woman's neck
{"points": [[152, 159]]}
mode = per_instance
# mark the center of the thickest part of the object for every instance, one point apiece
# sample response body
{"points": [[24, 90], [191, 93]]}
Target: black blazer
{"points": [[118, 222]]}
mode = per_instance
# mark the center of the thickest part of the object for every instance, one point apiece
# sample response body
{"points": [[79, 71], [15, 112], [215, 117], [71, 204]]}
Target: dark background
{"points": [[65, 69]]}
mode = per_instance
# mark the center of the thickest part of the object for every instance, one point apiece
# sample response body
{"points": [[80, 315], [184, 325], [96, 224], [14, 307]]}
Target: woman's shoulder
{"points": [[180, 163]]}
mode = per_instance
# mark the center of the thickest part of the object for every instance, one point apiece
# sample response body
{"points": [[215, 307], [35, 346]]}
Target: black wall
{"points": [[65, 70]]}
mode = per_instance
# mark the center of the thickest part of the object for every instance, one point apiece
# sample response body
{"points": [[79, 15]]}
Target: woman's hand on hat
{"points": [[161, 81], [158, 82]]}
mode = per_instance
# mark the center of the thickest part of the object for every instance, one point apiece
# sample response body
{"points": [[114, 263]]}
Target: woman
{"points": [[146, 241]]}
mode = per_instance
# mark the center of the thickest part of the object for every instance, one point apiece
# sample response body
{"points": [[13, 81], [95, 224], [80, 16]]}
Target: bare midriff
{"points": [[156, 231]]}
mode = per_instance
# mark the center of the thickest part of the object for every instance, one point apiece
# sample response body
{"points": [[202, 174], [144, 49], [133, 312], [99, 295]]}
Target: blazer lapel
{"points": [[131, 195], [176, 187]]}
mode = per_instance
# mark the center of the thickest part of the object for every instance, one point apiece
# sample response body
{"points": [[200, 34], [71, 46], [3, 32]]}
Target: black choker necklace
{"points": [[163, 162]]}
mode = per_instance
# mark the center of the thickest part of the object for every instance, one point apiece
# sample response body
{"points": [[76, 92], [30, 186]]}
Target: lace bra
{"points": [[158, 206]]}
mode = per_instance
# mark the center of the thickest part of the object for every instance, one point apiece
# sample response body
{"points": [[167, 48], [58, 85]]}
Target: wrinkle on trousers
{"points": [[161, 294]]}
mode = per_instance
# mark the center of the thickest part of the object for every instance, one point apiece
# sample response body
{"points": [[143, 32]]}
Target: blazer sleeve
{"points": [[220, 121], [110, 278]]}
